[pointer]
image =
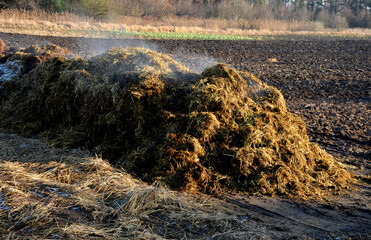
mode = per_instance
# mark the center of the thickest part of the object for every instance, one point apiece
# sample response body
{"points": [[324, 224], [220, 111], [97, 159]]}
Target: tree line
{"points": [[352, 13]]}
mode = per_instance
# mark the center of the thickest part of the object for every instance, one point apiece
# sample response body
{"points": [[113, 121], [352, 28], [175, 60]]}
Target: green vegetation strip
{"points": [[166, 35], [199, 36]]}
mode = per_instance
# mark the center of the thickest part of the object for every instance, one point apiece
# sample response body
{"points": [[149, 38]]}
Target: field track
{"points": [[327, 82]]}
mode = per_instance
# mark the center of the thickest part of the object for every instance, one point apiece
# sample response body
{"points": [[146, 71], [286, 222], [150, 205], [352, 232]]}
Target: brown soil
{"points": [[326, 82]]}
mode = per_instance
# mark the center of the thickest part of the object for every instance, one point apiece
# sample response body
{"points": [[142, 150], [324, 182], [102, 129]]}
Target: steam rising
{"points": [[100, 46], [195, 62]]}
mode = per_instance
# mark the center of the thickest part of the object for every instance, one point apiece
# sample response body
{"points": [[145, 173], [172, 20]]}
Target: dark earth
{"points": [[327, 82]]}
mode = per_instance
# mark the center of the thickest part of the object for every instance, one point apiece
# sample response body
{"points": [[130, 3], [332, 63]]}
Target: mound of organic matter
{"points": [[197, 132], [30, 57]]}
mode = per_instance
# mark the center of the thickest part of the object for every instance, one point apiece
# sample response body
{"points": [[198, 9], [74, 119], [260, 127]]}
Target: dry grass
{"points": [[48, 193], [66, 24]]}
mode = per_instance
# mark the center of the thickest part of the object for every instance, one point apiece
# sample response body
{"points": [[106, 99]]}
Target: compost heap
{"points": [[30, 57], [218, 130]]}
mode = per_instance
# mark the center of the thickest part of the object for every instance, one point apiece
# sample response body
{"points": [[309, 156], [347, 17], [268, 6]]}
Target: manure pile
{"points": [[209, 132]]}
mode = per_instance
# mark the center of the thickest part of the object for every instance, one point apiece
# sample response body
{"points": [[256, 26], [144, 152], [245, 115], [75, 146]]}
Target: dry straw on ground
{"points": [[60, 194], [210, 132]]}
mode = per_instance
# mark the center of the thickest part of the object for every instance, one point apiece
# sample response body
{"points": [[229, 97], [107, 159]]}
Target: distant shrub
{"points": [[159, 8], [335, 21], [23, 4], [94, 8], [361, 18], [234, 9], [340, 22], [141, 8], [184, 8], [52, 5]]}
